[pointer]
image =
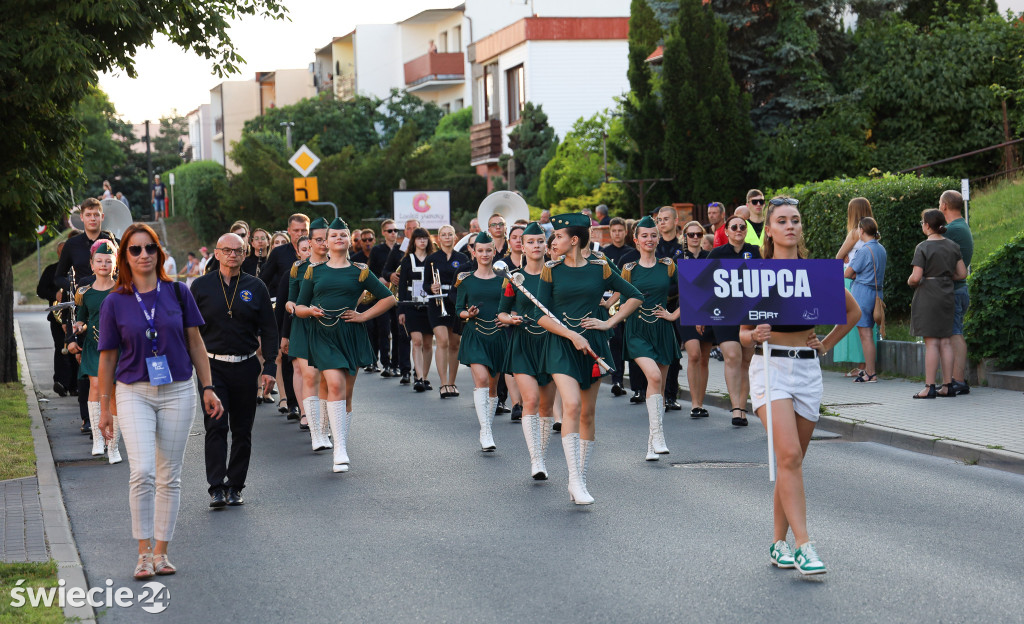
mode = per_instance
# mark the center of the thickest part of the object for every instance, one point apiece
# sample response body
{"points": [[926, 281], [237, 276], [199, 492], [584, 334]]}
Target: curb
{"points": [[859, 431], [61, 541]]}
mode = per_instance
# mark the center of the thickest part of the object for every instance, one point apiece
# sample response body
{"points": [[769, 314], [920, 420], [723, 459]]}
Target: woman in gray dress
{"points": [[937, 262]]}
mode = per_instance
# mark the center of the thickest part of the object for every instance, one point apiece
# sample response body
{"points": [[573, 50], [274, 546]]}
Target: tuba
{"points": [[116, 218], [509, 205]]}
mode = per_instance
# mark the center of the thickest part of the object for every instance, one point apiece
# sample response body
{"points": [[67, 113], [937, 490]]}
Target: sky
{"points": [[173, 80]]}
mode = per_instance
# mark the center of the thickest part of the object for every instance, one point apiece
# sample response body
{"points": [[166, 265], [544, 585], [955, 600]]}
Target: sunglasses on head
{"points": [[739, 227], [784, 201], [136, 250], [757, 202]]}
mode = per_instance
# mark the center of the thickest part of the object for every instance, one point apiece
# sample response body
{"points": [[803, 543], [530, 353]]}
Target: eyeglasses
{"points": [[231, 251], [784, 201], [738, 227], [136, 250], [694, 234], [757, 202], [319, 241], [496, 225], [392, 231]]}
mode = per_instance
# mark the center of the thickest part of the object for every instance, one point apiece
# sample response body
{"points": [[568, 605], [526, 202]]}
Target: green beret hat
{"points": [[106, 247], [318, 224], [533, 229], [337, 224], [570, 220], [483, 238], [646, 222]]}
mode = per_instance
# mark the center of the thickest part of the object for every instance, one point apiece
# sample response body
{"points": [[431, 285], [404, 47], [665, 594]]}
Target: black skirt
{"points": [[451, 320], [416, 319]]}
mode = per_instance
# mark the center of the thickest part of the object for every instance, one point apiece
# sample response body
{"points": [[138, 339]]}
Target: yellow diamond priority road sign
{"points": [[304, 160]]}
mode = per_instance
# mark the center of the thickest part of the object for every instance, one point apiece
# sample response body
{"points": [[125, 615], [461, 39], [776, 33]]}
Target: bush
{"points": [[994, 326], [201, 187], [897, 202]]}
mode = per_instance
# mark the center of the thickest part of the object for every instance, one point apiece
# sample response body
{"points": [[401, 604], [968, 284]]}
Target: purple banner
{"points": [[752, 292]]}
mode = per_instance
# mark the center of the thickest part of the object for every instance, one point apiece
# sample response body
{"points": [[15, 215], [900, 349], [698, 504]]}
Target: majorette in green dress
{"points": [[334, 343], [646, 335], [573, 294], [88, 301], [298, 338], [484, 339], [525, 353]]}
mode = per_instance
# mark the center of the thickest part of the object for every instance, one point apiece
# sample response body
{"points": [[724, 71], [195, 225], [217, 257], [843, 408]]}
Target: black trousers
{"points": [[233, 385], [616, 346], [382, 328], [287, 370], [401, 344], [65, 366]]}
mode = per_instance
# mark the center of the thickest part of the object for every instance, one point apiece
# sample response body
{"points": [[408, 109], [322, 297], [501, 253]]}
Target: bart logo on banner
{"points": [[306, 189], [749, 292]]}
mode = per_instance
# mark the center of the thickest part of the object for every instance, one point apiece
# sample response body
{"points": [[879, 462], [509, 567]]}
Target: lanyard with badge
{"points": [[159, 371]]}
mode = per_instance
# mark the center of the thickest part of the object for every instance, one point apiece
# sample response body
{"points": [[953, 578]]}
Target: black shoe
{"points": [[426, 384], [86, 428], [949, 393], [556, 426], [929, 392], [741, 420], [717, 354], [517, 412], [294, 414], [501, 409], [617, 390], [73, 391], [303, 427], [704, 413], [59, 388], [217, 500], [406, 379], [235, 497], [418, 385], [386, 372], [695, 412], [671, 404], [961, 387], [637, 398]]}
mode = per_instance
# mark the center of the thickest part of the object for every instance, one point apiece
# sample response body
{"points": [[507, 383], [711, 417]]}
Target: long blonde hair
{"points": [[768, 245]]}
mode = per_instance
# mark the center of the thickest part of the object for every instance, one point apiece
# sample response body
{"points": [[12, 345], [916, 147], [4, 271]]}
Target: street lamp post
{"points": [[288, 132]]}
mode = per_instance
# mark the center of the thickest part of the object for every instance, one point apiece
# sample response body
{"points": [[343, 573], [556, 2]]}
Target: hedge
{"points": [[897, 202], [994, 325], [200, 189]]}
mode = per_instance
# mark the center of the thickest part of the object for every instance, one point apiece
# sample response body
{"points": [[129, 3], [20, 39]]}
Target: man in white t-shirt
{"points": [[170, 266]]}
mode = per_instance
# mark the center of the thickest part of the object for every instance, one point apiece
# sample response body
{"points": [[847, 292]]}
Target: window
{"points": [[490, 75], [457, 39], [459, 104], [446, 107], [442, 42], [479, 110], [515, 81]]}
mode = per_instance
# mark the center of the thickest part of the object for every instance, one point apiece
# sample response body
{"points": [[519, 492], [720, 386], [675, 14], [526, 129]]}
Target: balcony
{"points": [[485, 142], [435, 70], [218, 125]]}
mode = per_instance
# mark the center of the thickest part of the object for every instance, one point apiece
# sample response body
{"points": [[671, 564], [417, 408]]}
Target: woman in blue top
{"points": [[867, 269]]}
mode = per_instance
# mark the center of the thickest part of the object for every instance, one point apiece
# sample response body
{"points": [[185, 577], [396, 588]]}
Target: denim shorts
{"points": [[962, 300]]}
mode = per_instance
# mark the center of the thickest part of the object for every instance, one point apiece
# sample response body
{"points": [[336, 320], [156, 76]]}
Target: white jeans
{"points": [[155, 422]]}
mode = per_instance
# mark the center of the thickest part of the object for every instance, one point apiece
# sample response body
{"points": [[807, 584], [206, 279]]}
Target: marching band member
{"points": [[444, 265], [88, 300], [796, 388], [412, 307], [339, 345], [572, 288], [649, 338], [483, 340], [524, 357], [507, 384]]}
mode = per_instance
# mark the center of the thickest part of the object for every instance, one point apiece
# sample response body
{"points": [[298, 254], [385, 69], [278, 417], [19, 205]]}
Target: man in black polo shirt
{"points": [[401, 348], [378, 259], [237, 311], [620, 253]]}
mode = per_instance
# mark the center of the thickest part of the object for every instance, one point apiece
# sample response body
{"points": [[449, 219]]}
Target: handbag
{"points": [[878, 313]]}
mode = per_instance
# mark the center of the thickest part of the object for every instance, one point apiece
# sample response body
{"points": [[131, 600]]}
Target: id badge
{"points": [[159, 371]]}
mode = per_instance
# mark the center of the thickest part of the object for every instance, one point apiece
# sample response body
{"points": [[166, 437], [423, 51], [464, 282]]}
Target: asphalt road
{"points": [[426, 528]]}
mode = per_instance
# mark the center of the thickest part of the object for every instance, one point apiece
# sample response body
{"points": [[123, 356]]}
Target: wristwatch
{"points": [[205, 388]]}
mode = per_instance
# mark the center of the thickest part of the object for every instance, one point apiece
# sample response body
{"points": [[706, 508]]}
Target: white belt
{"points": [[234, 359]]}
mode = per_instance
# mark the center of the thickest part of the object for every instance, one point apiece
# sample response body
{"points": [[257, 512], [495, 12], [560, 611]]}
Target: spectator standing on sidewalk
{"points": [[867, 269], [238, 319], [937, 264], [951, 203], [849, 348], [158, 195]]}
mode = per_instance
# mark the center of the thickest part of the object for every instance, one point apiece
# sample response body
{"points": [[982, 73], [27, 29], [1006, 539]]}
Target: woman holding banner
{"points": [[795, 388], [696, 341], [649, 338]]}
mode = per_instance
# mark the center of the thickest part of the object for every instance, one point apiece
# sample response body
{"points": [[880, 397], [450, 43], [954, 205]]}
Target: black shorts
{"points": [[726, 333], [689, 332], [416, 319], [451, 321]]}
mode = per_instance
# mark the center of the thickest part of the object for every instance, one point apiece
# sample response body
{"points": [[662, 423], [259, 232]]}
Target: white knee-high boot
{"points": [[545, 437], [113, 452], [325, 430], [484, 416], [532, 433], [577, 492], [336, 415], [656, 438], [586, 450], [98, 442], [315, 417]]}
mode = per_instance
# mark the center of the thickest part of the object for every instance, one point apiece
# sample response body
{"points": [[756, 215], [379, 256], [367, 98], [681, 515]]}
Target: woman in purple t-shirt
{"points": [[148, 335]]}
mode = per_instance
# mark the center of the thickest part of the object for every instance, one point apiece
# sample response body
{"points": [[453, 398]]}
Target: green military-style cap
{"points": [[575, 219], [483, 238], [533, 229], [646, 222], [338, 224], [106, 247], [318, 224]]}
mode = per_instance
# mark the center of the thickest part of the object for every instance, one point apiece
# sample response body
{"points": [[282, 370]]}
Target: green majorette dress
{"points": [[88, 301], [525, 353], [483, 339], [646, 335], [333, 343], [298, 337], [573, 294]]}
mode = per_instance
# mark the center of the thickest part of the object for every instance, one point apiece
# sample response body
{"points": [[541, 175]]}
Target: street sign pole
{"points": [[170, 178], [965, 191], [325, 203]]}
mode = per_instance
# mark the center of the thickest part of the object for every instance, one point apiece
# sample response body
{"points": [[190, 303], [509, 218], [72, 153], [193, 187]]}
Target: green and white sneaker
{"points": [[807, 561], [780, 554]]}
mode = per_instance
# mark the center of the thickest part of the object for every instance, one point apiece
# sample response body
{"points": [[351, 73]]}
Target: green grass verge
{"points": [[17, 452], [26, 274], [35, 575], [996, 217]]}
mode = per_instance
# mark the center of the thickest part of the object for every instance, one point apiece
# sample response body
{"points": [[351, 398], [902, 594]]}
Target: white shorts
{"points": [[790, 378]]}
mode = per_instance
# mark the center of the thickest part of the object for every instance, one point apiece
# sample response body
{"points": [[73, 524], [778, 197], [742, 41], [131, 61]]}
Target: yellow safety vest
{"points": [[752, 236]]}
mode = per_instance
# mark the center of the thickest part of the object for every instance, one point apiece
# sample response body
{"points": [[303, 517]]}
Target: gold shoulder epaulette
{"points": [[462, 276], [598, 254], [295, 269], [80, 293], [364, 271], [309, 271], [670, 264], [607, 272], [627, 271], [545, 273]]}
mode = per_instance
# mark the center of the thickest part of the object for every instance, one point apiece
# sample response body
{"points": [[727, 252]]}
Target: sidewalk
{"points": [[985, 427]]}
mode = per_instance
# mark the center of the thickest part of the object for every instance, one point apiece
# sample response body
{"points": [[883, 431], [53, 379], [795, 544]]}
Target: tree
{"points": [[50, 54], [168, 145], [533, 143], [921, 13], [707, 124], [577, 167]]}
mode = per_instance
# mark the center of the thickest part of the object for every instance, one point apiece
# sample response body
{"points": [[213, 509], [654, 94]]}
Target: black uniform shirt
{"points": [[278, 265], [252, 317], [378, 258], [620, 255], [76, 254], [668, 248], [726, 252]]}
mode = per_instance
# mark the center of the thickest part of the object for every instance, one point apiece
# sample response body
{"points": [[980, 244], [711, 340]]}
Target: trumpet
{"points": [[440, 300]]}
